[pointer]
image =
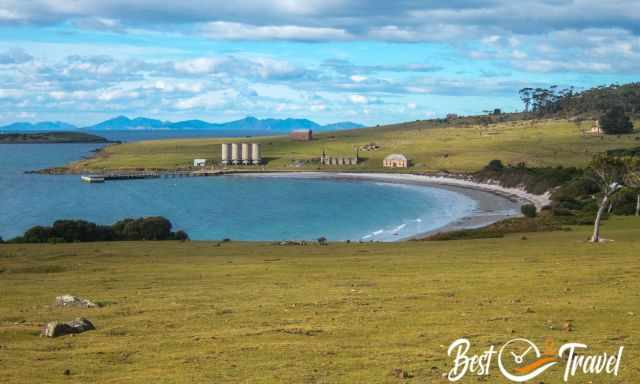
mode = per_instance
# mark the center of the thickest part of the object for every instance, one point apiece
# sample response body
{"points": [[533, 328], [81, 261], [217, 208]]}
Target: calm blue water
{"points": [[241, 208]]}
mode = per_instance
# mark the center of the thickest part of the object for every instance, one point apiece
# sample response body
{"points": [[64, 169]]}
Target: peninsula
{"points": [[51, 138]]}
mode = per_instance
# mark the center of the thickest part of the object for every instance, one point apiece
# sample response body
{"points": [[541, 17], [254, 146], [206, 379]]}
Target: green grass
{"points": [[343, 313], [430, 146]]}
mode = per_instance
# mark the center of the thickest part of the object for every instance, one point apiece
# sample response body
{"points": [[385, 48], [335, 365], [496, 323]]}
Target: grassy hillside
{"points": [[343, 313], [430, 145]]}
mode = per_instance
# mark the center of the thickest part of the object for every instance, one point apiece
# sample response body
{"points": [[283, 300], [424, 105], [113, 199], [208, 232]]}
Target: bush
{"points": [[495, 165], [81, 231], [37, 234], [181, 236], [562, 212], [625, 202], [616, 122], [70, 231], [569, 203], [147, 228], [533, 180], [542, 223], [529, 210]]}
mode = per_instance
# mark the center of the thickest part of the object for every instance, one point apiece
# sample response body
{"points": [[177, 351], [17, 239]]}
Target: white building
{"points": [[395, 160], [199, 162]]}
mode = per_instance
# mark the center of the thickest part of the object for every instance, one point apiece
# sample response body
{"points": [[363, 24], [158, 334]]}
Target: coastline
{"points": [[494, 202]]}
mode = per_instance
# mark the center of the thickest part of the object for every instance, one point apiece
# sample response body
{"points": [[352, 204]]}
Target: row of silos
{"points": [[241, 153]]}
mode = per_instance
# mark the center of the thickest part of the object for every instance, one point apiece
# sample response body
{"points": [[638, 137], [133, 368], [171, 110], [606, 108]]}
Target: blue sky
{"points": [[372, 62]]}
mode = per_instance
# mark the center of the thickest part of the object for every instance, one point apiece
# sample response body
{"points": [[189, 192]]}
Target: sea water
{"points": [[209, 208]]}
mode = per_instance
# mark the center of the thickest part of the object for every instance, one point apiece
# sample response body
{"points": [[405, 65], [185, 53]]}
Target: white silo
{"points": [[256, 155], [235, 153], [246, 153], [226, 153]]}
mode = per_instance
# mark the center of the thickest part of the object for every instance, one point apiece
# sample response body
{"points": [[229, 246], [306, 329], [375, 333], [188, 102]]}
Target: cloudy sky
{"points": [[374, 62]]}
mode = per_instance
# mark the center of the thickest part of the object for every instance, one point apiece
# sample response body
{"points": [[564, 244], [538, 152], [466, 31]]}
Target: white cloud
{"points": [[15, 56], [358, 99], [209, 100], [221, 30], [199, 66]]}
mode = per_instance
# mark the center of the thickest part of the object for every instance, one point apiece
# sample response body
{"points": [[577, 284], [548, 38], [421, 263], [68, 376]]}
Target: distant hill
{"points": [[43, 126], [123, 123], [248, 124]]}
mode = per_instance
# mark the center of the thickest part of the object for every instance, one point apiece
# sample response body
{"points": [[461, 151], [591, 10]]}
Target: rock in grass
{"points": [[401, 373], [57, 329], [73, 301]]}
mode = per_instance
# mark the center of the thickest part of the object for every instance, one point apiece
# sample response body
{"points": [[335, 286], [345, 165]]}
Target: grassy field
{"points": [[343, 313], [430, 146]]}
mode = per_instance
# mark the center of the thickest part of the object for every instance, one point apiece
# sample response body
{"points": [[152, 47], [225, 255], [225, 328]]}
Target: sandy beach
{"points": [[494, 202]]}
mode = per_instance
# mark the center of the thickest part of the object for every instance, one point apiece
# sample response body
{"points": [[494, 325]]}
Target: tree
{"points": [[156, 228], [616, 121], [181, 235], [37, 234], [609, 173], [525, 96], [632, 179]]}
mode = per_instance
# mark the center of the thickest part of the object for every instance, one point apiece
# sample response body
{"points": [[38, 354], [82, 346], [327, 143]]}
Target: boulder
{"points": [[73, 301], [57, 329]]}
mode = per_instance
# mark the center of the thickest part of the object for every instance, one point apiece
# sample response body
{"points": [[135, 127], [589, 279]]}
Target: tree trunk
{"points": [[596, 225], [638, 205]]}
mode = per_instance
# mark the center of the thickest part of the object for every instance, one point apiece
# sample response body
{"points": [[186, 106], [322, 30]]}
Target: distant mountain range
{"points": [[123, 123]]}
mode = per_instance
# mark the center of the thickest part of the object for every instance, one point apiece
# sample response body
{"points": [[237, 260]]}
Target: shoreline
{"points": [[494, 203]]}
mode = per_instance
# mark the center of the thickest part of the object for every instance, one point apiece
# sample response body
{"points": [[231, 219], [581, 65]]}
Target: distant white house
{"points": [[199, 162], [395, 161]]}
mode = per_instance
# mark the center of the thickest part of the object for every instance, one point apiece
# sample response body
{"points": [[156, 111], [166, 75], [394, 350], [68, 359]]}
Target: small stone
{"points": [[73, 301], [57, 329], [401, 373], [67, 372]]}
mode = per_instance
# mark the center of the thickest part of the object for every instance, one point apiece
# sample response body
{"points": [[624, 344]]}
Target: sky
{"points": [[371, 62]]}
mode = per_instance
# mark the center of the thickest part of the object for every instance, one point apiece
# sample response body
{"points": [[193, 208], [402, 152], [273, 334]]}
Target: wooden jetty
{"points": [[134, 175]]}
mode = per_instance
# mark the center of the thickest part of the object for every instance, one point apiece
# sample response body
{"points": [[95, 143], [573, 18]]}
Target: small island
{"points": [[51, 138]]}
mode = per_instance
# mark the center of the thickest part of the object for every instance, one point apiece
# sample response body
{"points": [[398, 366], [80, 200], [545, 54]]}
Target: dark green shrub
{"points": [[570, 204], [529, 210], [616, 122], [562, 212], [585, 219], [68, 231], [625, 202], [37, 234], [181, 236], [495, 165], [155, 228]]}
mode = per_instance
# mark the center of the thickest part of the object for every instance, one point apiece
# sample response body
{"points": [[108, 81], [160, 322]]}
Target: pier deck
{"points": [[133, 175]]}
